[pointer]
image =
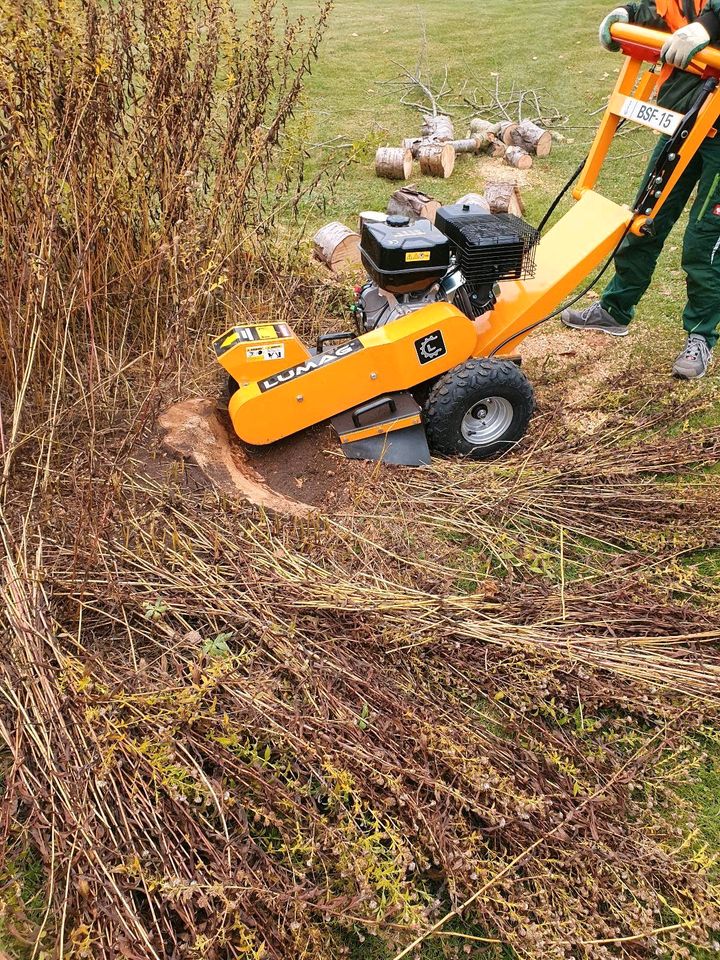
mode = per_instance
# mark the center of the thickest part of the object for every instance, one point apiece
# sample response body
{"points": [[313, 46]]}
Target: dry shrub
{"points": [[148, 156]]}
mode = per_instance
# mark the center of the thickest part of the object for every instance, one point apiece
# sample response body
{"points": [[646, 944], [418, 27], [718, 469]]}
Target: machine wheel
{"points": [[479, 408]]}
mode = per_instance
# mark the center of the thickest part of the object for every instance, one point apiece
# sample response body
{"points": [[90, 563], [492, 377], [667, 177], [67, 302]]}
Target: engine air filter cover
{"points": [[402, 258], [489, 247]]}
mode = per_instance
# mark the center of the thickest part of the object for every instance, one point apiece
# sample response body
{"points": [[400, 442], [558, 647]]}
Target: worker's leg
{"points": [[636, 260], [701, 250]]}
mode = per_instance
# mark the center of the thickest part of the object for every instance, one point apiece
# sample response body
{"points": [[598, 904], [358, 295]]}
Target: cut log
{"points": [[337, 246], [414, 204], [438, 128], [370, 216], [482, 129], [394, 163], [413, 144], [519, 158], [504, 198], [466, 146], [506, 132], [532, 138], [496, 148], [474, 200], [437, 160]]}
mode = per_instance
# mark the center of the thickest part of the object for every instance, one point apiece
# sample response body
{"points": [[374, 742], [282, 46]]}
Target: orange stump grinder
{"points": [[432, 364]]}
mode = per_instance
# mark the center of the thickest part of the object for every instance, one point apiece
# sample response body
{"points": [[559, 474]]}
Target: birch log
{"points": [[413, 144], [474, 200], [414, 204], [471, 145], [337, 246], [518, 158], [394, 163], [439, 127], [496, 148], [483, 129], [532, 138], [504, 198], [506, 132], [437, 160], [370, 216]]}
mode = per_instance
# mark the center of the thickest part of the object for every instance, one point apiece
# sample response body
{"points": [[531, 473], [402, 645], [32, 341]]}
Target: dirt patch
{"points": [[579, 362], [309, 467]]}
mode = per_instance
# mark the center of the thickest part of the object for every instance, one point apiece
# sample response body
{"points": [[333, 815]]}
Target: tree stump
{"points": [[394, 163], [414, 204], [506, 132], [504, 198], [474, 200], [519, 158], [437, 160], [532, 138], [439, 128], [193, 431], [337, 246]]}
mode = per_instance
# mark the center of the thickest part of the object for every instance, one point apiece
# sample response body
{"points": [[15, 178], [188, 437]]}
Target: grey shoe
{"points": [[594, 318], [694, 361]]}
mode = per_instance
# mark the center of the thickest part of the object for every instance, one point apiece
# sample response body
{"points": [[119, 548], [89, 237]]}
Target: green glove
{"points": [[619, 15]]}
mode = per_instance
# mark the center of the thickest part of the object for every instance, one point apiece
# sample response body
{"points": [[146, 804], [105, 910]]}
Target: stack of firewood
{"points": [[436, 149]]}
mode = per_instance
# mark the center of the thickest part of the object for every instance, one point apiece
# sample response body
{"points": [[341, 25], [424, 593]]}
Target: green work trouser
{"points": [[636, 260]]}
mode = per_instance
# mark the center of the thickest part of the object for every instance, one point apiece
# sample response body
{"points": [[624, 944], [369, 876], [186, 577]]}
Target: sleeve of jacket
{"points": [[710, 19], [644, 14]]}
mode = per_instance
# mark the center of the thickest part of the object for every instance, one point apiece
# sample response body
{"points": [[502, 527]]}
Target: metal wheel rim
{"points": [[487, 421]]}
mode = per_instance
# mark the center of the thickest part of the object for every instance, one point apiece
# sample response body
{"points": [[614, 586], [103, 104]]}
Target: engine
{"points": [[460, 260]]}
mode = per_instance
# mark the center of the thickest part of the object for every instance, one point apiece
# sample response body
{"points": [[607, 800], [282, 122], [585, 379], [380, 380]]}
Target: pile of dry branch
{"points": [[240, 737]]}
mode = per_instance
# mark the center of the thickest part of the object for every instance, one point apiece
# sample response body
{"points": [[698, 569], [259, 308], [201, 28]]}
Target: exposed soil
{"points": [[309, 467]]}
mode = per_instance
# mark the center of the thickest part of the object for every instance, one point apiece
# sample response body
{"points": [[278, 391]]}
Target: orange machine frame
{"points": [[275, 400]]}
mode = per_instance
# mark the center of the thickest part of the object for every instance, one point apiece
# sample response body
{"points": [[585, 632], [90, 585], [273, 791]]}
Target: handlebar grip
{"points": [[641, 42]]}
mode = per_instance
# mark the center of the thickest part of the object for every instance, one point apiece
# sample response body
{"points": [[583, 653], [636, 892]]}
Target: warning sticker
{"points": [[251, 334], [274, 352], [418, 257]]}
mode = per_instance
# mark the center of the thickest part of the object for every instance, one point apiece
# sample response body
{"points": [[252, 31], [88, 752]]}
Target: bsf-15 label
{"points": [[650, 115]]}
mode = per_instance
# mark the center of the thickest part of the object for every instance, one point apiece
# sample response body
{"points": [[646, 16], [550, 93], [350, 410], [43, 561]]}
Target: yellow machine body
{"points": [[283, 388], [282, 402]]}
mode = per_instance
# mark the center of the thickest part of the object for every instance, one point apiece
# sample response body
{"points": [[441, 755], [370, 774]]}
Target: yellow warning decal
{"points": [[229, 341], [417, 257], [266, 331]]}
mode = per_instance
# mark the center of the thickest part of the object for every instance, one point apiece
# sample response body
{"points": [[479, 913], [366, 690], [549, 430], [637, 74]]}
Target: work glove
{"points": [[619, 15], [679, 49]]}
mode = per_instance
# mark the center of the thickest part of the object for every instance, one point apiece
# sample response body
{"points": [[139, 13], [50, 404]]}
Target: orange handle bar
{"points": [[644, 44]]}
